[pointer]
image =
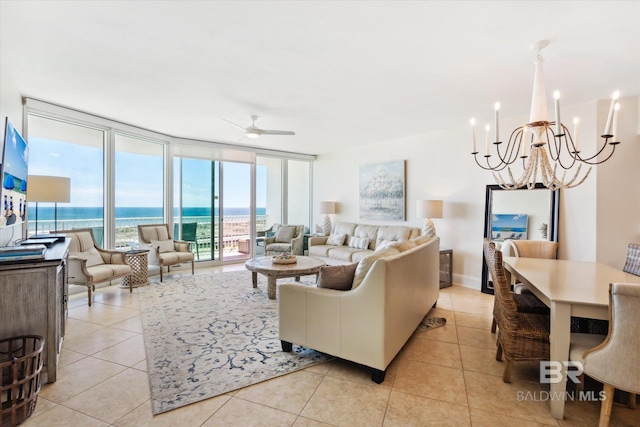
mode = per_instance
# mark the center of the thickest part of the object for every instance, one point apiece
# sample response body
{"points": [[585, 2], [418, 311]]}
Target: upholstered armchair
{"points": [[616, 362], [287, 239], [163, 250], [89, 264], [528, 249]]}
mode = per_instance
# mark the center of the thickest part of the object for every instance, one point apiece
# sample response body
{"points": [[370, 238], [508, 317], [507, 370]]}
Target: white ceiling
{"points": [[339, 73]]}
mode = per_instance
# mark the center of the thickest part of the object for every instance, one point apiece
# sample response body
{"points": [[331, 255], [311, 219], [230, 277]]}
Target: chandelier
{"points": [[546, 149]]}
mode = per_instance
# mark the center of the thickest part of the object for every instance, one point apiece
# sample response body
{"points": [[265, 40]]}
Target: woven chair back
{"points": [[632, 265]]}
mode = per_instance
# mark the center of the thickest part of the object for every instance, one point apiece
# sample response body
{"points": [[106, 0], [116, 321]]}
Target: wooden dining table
{"points": [[568, 288]]}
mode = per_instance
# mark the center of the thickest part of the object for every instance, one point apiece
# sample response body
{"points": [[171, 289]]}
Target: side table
{"points": [[446, 268], [139, 262]]}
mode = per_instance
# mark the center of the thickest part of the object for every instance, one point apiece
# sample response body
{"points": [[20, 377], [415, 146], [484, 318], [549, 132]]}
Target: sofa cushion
{"points": [[103, 272], [360, 255], [392, 233], [344, 228], [285, 233], [163, 245], [368, 231], [339, 277], [336, 239], [91, 255], [342, 253], [320, 250], [404, 245], [359, 242], [365, 264], [421, 239]]}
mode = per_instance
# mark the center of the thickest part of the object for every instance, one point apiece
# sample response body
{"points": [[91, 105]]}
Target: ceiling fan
{"points": [[254, 132]]}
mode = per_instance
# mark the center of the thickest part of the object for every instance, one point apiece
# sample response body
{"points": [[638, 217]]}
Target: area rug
{"points": [[210, 334], [432, 322]]}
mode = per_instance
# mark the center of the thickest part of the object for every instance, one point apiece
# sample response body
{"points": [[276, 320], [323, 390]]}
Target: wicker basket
{"points": [[20, 367]]}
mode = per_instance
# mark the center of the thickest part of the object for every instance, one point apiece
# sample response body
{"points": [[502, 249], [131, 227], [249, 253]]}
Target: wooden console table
{"points": [[33, 301]]}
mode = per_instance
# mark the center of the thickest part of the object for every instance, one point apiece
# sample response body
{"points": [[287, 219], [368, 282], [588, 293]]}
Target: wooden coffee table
{"points": [[264, 265]]}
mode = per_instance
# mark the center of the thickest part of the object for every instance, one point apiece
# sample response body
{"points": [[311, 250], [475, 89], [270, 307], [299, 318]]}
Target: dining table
{"points": [[568, 288]]}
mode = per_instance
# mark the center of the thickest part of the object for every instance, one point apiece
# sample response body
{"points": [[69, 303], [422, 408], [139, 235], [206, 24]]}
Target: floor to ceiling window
{"points": [[139, 190], [58, 148], [298, 192]]}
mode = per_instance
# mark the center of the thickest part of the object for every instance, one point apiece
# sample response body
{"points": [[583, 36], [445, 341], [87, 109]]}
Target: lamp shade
{"points": [[54, 189], [429, 209], [327, 207]]}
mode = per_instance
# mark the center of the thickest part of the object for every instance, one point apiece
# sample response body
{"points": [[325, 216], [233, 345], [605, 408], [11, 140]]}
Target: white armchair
{"points": [[616, 362], [163, 250], [89, 264]]}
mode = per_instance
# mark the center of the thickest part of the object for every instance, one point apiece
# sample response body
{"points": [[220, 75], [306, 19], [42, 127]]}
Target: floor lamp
{"points": [[51, 189], [429, 209]]}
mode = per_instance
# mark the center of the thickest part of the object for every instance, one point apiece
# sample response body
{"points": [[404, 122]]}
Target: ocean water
{"points": [[69, 213]]}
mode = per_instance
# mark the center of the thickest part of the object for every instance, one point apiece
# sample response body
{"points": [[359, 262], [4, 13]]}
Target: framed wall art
{"points": [[382, 189]]}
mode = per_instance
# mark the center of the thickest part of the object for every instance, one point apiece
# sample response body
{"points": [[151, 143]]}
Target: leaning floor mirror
{"points": [[519, 214]]}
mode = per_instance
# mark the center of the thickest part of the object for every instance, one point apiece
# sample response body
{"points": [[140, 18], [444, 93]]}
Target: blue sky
{"points": [[138, 177]]}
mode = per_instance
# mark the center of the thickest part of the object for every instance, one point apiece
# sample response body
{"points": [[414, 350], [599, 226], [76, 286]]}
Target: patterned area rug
{"points": [[207, 335]]}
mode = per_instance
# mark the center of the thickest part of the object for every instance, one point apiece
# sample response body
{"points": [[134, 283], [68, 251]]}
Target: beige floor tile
{"points": [[347, 403], [406, 410], [186, 416], [435, 352], [432, 381], [586, 412], [490, 393], [351, 371], [63, 417], [142, 366], [133, 324], [67, 357], [95, 342], [484, 361], [475, 337], [306, 422], [42, 406], [446, 333], [481, 418], [238, 412], [128, 353], [121, 297], [75, 328], [471, 320], [77, 377], [288, 393], [103, 314], [113, 398], [444, 301], [320, 368]]}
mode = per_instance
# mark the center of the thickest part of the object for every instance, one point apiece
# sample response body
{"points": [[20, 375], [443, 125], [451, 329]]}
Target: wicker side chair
{"points": [[525, 302], [89, 264], [164, 251], [521, 336], [632, 264]]}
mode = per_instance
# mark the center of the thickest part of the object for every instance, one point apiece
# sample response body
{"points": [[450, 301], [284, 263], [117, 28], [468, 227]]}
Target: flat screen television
{"points": [[15, 161]]}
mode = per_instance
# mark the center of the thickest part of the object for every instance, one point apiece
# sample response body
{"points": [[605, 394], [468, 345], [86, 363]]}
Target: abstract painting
{"points": [[382, 191]]}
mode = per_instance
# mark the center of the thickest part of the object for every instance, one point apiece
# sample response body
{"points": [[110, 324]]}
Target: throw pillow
{"points": [[339, 277], [163, 245], [336, 239], [285, 233], [422, 239], [404, 245], [359, 243], [91, 255], [384, 244]]}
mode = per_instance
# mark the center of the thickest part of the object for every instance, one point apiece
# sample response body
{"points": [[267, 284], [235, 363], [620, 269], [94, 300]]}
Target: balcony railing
{"points": [[235, 228]]}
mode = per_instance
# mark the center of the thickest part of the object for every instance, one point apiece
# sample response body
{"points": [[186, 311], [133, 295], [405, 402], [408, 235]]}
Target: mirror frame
{"points": [[552, 232]]}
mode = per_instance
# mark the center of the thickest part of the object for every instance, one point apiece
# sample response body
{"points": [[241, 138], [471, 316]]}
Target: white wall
{"points": [[439, 165]]}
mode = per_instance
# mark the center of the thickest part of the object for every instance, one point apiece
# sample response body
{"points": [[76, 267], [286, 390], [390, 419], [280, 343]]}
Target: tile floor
{"points": [[443, 377]]}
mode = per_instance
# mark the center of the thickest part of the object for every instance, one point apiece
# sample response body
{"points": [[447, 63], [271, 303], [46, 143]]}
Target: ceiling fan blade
{"points": [[238, 126], [277, 132]]}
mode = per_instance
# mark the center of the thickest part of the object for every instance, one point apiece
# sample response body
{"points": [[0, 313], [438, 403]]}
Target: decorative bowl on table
{"points": [[284, 259]]}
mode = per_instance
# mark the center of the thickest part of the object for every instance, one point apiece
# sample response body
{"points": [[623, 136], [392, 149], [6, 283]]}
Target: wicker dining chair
{"points": [[525, 303], [632, 264], [521, 336]]}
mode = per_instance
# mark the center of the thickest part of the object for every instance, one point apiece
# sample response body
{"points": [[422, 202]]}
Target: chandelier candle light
{"points": [[545, 148]]}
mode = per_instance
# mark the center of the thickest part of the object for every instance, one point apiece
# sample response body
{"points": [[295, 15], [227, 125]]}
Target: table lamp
{"points": [[327, 208], [429, 209], [52, 189]]}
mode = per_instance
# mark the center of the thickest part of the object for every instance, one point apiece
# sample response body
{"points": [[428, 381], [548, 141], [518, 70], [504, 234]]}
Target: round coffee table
{"points": [[264, 265]]}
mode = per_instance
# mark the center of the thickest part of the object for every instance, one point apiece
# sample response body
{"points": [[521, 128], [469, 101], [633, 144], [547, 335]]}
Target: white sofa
{"points": [[379, 236], [370, 323]]}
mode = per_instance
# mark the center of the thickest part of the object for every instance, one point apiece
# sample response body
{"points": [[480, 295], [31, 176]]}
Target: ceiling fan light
{"points": [[252, 134]]}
